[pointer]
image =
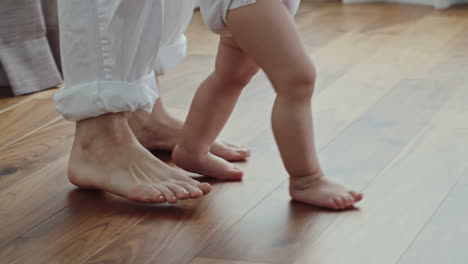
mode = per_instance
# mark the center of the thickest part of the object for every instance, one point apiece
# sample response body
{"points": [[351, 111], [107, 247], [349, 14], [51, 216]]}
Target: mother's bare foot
{"points": [[161, 131], [106, 156], [320, 191]]}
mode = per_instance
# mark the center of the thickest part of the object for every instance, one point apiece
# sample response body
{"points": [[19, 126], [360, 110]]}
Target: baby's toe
{"points": [[338, 203], [344, 202], [349, 200], [357, 196]]}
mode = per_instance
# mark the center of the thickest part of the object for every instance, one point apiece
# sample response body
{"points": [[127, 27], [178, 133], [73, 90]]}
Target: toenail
{"points": [[160, 197]]}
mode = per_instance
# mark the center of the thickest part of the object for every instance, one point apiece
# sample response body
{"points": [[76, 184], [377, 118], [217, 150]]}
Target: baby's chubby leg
{"points": [[273, 42], [211, 107]]}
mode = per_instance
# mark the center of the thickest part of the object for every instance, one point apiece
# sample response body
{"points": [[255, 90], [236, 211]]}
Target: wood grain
{"points": [[409, 190], [369, 81], [24, 157], [25, 119], [219, 261], [10, 102], [390, 111], [374, 139], [443, 238], [162, 239], [33, 174]]}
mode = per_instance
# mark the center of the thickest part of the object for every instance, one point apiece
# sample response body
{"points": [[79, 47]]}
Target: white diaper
{"points": [[214, 12]]}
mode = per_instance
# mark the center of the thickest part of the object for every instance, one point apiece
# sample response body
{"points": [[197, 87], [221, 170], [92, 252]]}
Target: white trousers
{"points": [[112, 49]]}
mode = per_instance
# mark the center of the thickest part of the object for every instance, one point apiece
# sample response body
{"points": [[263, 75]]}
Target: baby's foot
{"points": [[106, 156], [161, 131], [205, 164], [322, 192]]}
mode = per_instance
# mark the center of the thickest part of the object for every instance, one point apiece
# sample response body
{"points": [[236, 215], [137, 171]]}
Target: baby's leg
{"points": [[274, 44], [210, 109]]}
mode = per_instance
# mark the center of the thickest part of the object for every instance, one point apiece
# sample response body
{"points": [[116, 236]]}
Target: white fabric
{"points": [[177, 16], [439, 4], [214, 12], [110, 49]]}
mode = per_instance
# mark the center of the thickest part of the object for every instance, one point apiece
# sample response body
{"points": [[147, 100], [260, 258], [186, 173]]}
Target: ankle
{"points": [[106, 129], [194, 151], [305, 180]]}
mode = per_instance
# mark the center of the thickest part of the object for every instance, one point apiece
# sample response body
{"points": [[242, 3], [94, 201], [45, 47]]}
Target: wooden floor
{"points": [[391, 117]]}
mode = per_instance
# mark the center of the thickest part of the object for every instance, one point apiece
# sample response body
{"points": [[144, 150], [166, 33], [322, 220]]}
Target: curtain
{"points": [[28, 43]]}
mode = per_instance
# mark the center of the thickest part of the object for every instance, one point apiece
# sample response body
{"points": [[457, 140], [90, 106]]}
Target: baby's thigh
{"points": [[233, 63]]}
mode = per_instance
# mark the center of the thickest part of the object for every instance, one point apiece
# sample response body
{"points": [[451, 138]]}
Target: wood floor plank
{"points": [[319, 28], [161, 240], [454, 66], [257, 104], [333, 61], [7, 103], [163, 231], [443, 239], [342, 54], [33, 175], [24, 157], [91, 220], [367, 82], [402, 198], [148, 251], [114, 250], [105, 256], [394, 17], [219, 261], [367, 109], [355, 158], [35, 199], [10, 102], [25, 119]]}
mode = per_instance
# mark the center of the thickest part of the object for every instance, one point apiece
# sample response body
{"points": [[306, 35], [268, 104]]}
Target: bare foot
{"points": [[106, 156], [161, 131], [322, 192], [205, 164]]}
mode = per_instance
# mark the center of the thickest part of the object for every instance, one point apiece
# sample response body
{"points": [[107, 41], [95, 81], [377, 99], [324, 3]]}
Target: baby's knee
{"points": [[241, 76], [298, 84]]}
